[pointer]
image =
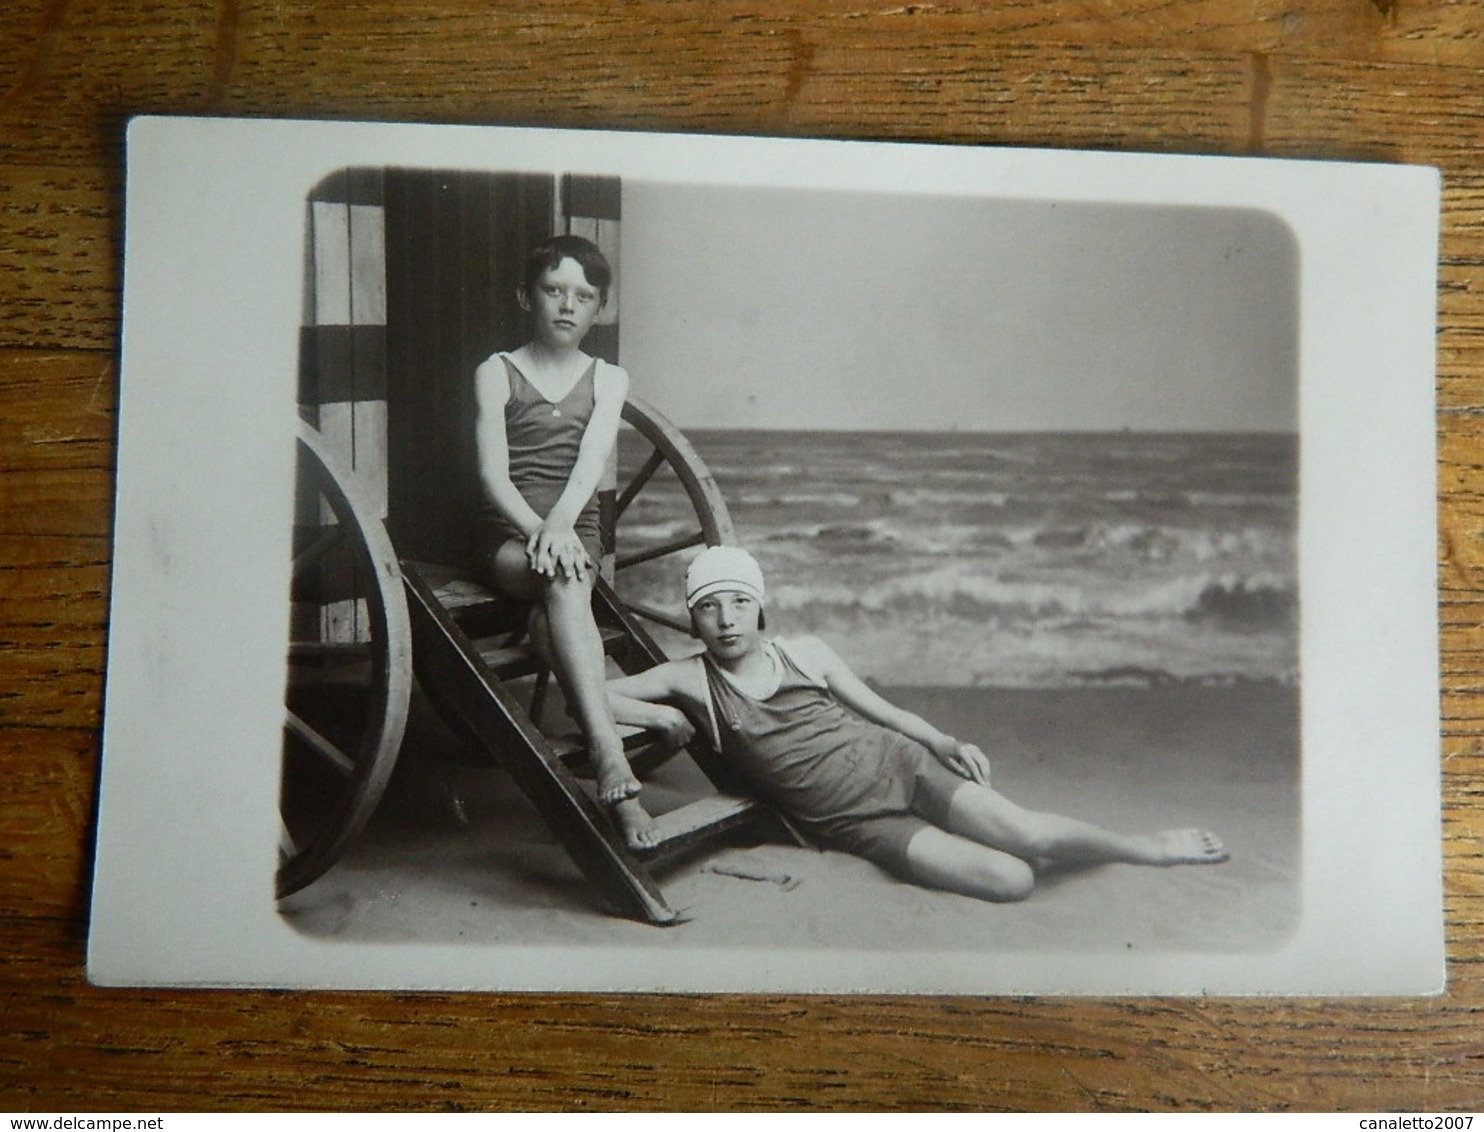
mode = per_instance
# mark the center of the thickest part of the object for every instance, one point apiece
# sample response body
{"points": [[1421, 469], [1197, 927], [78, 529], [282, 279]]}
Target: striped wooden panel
{"points": [[343, 375]]}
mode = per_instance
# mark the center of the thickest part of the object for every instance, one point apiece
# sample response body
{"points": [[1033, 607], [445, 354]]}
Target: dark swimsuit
{"points": [[848, 783], [543, 438]]}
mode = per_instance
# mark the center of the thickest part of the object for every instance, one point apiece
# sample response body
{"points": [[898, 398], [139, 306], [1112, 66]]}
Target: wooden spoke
{"points": [[286, 845], [676, 451], [655, 462], [326, 750], [304, 652], [659, 617], [696, 538], [323, 543]]}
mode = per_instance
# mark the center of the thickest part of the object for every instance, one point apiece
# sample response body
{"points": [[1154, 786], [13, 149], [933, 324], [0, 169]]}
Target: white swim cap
{"points": [[719, 568]]}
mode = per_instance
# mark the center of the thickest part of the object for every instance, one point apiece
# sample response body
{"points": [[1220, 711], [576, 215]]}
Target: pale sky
{"points": [[771, 308]]}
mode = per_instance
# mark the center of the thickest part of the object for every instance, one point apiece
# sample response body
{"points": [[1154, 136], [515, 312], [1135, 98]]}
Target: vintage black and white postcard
{"points": [[602, 561]]}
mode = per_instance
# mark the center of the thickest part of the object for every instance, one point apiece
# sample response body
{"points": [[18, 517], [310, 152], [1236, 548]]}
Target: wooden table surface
{"points": [[1387, 80]]}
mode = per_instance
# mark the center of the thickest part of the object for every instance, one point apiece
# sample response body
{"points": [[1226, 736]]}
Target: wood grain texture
{"points": [[1389, 80]]}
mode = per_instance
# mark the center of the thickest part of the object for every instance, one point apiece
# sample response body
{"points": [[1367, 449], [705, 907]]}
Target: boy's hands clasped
{"points": [[557, 552]]}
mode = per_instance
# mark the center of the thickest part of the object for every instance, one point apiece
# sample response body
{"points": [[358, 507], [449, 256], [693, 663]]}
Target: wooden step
{"points": [[645, 749], [478, 610], [702, 822], [455, 589], [512, 661], [571, 747]]}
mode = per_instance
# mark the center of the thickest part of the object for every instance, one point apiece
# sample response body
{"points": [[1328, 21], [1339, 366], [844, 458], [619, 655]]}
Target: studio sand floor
{"points": [[455, 855]]}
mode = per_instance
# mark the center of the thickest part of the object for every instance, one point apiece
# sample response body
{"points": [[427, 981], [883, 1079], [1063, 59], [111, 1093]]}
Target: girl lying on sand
{"points": [[881, 783]]}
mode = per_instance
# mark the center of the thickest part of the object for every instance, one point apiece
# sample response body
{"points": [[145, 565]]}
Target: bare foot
{"points": [[1184, 847], [639, 830], [616, 782]]}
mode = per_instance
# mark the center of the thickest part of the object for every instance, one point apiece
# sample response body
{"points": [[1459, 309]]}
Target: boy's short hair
{"points": [[549, 253]]}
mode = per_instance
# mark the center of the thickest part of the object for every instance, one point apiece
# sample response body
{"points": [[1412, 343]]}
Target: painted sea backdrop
{"points": [[1031, 560]]}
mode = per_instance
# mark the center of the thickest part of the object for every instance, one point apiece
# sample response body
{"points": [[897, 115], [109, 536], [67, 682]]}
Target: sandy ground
{"points": [[456, 855]]}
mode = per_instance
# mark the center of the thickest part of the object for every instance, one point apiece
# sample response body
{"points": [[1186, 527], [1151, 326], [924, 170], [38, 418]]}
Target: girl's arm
{"points": [[491, 391], [961, 758], [640, 700]]}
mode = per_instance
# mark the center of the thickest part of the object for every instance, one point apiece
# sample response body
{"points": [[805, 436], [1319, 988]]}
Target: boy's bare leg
{"points": [[988, 817], [563, 629], [633, 820], [577, 652]]}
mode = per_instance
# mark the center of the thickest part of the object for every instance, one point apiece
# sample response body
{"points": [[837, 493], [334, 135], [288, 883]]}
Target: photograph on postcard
{"points": [[665, 563], [1029, 470]]}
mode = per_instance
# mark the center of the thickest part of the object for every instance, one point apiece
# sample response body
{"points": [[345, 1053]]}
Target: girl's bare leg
{"points": [[989, 818], [939, 859], [990, 840]]}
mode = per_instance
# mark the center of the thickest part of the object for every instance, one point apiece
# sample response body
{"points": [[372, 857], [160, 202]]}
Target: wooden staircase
{"points": [[469, 651]]}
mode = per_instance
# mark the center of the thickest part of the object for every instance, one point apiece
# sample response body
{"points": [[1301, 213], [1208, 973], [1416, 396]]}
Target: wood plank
{"points": [[571, 746], [52, 624], [59, 225], [423, 1053], [47, 791], [244, 58], [59, 250], [705, 821], [56, 435], [59, 417], [787, 67]]}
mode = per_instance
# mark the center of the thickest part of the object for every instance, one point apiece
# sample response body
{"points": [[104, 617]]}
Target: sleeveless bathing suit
{"points": [[543, 438], [848, 783]]}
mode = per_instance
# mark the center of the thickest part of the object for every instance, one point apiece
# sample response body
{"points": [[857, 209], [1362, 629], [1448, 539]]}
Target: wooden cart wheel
{"points": [[667, 503], [350, 668]]}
